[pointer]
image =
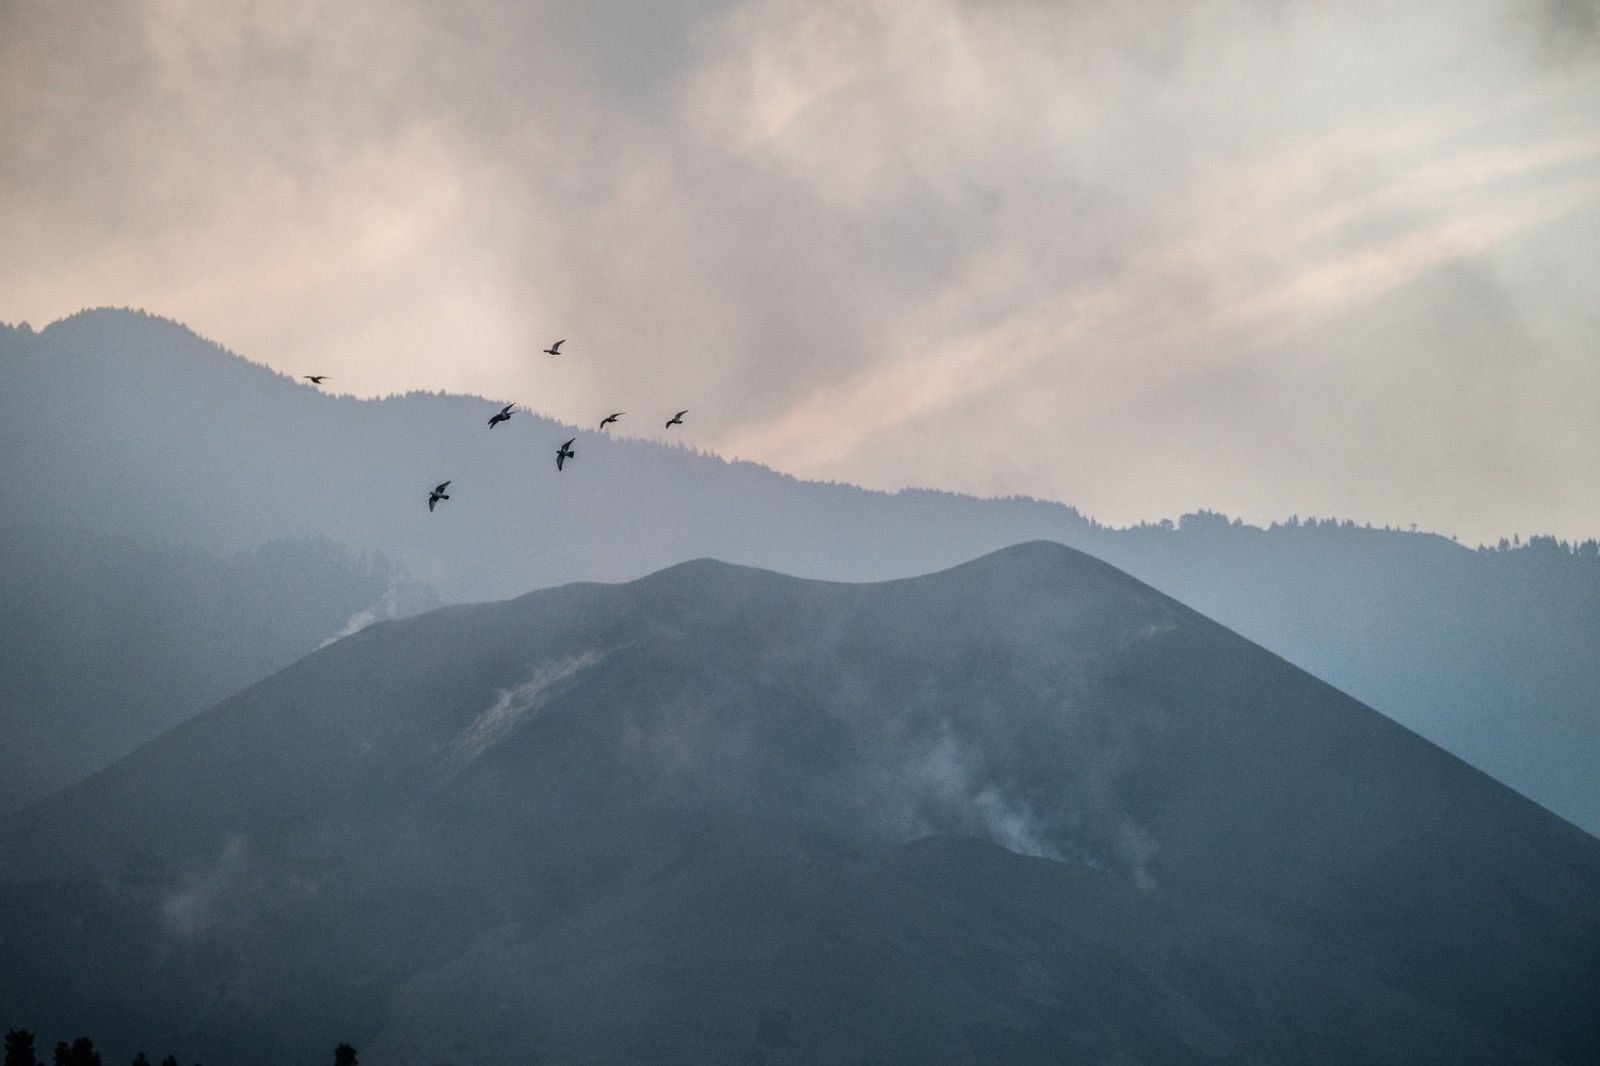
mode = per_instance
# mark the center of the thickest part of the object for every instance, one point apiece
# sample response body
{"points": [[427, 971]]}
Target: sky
{"points": [[1268, 257]]}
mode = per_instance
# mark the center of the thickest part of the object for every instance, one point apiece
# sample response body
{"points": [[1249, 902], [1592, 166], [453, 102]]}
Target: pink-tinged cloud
{"points": [[1129, 321], [827, 225]]}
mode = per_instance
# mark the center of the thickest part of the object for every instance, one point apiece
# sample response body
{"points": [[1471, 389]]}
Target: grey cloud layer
{"points": [[1259, 256]]}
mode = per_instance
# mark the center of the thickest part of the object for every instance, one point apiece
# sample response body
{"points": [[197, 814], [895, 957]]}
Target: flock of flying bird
{"points": [[563, 453]]}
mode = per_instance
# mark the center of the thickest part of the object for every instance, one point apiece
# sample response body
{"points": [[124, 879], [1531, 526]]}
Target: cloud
{"points": [[1137, 849], [945, 790], [990, 247], [197, 905], [223, 899], [1127, 317], [510, 709], [396, 602]]}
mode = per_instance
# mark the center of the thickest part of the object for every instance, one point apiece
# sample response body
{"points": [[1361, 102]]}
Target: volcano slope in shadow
{"points": [[1027, 810]]}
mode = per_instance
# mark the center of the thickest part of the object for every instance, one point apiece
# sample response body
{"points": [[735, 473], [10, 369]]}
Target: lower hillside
{"points": [[1027, 810]]}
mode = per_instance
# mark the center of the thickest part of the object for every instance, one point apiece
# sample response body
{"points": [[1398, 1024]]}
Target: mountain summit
{"points": [[1025, 810], [177, 442]]}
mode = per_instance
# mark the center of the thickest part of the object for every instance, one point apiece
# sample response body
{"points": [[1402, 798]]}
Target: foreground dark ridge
{"points": [[1025, 810], [22, 1048]]}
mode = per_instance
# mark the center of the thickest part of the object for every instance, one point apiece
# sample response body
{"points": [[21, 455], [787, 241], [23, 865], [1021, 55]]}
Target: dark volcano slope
{"points": [[1027, 810]]}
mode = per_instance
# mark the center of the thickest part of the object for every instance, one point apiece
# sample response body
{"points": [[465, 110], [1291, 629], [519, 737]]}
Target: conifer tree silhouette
{"points": [[83, 1053], [19, 1048]]}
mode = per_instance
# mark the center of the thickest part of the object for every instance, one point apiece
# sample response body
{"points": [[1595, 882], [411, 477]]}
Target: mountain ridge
{"points": [[1484, 652], [660, 818]]}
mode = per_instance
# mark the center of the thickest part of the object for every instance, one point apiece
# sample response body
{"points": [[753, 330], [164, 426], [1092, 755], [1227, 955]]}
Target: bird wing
{"points": [[681, 413], [431, 501], [561, 457], [556, 347], [441, 488]]}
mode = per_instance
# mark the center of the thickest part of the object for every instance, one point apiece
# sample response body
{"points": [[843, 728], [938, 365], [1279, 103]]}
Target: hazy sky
{"points": [[1263, 256]]}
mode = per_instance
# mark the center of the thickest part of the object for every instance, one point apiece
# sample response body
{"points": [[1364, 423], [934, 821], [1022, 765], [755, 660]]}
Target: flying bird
{"points": [[608, 419], [503, 416], [677, 419], [436, 495], [555, 349], [317, 379], [564, 453]]}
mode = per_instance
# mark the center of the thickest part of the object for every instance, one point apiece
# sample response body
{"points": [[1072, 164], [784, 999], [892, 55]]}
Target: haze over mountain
{"points": [[104, 642], [133, 424], [1026, 810]]}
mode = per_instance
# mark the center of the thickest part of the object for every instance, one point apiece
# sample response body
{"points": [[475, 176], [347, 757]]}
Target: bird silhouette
{"points": [[436, 495], [503, 416], [317, 379], [564, 453], [555, 349], [608, 419], [677, 419]]}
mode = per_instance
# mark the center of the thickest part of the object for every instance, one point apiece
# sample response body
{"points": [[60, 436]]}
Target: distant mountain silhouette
{"points": [[1027, 810], [130, 423]]}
